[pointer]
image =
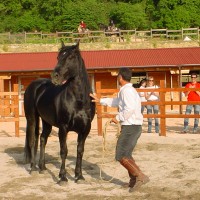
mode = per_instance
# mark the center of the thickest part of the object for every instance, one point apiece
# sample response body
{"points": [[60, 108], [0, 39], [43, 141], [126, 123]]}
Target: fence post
{"points": [[16, 111], [99, 110], [162, 110], [25, 35], [182, 33]]}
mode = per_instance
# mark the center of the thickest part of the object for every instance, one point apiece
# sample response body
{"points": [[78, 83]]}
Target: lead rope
{"points": [[107, 124]]}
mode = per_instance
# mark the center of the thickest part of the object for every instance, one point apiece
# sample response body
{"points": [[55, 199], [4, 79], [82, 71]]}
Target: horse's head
{"points": [[69, 59]]}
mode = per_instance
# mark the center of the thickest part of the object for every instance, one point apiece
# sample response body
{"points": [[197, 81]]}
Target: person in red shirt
{"points": [[192, 96], [83, 26]]}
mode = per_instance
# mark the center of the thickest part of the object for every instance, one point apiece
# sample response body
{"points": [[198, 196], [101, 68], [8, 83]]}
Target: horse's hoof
{"points": [[79, 178], [33, 172], [62, 182], [42, 167]]}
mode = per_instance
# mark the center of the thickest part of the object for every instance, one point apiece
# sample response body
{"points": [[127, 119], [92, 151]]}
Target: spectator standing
{"points": [[142, 85], [192, 96], [152, 96]]}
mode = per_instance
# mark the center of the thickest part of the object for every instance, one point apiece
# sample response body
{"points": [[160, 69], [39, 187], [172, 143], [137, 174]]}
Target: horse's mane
{"points": [[65, 49], [82, 72]]}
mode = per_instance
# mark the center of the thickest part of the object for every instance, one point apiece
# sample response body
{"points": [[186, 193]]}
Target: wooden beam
{"points": [[5, 77]]}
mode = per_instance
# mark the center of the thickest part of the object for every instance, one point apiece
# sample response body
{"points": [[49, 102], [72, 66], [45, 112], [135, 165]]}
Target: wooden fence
{"points": [[9, 108], [122, 35], [162, 105]]}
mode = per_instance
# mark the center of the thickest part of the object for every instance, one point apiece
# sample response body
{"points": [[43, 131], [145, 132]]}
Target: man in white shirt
{"points": [[131, 119]]}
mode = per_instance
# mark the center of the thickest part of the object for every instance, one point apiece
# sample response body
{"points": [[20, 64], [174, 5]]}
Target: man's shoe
{"points": [[139, 183], [183, 132], [194, 131], [157, 132], [131, 183], [135, 172], [148, 131], [125, 185]]}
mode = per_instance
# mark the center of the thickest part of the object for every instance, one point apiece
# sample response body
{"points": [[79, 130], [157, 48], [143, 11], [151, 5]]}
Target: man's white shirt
{"points": [[129, 103]]}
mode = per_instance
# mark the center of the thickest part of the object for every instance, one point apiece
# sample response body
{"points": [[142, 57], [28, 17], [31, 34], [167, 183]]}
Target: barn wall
{"points": [[107, 81]]}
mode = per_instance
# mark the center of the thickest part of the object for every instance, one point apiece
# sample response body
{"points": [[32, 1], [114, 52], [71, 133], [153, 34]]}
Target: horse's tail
{"points": [[92, 109], [32, 120], [31, 143], [27, 151]]}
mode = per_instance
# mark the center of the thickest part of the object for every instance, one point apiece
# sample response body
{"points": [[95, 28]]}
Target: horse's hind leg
{"points": [[46, 130], [31, 145]]}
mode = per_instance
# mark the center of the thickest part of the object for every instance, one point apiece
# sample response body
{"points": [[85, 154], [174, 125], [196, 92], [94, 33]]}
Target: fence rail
{"points": [[9, 108], [92, 36], [163, 115]]}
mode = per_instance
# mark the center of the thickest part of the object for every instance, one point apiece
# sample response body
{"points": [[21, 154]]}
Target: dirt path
{"points": [[172, 163]]}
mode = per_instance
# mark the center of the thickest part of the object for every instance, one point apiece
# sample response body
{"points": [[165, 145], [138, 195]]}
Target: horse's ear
{"points": [[77, 43], [62, 44]]}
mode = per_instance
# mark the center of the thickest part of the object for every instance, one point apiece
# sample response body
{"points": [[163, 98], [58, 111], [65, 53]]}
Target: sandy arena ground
{"points": [[171, 162]]}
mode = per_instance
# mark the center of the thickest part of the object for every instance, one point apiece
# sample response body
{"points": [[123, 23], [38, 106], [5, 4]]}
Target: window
{"points": [[137, 77]]}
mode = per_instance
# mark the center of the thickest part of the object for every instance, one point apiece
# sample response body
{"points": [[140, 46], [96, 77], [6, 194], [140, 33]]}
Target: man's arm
{"points": [[187, 92], [114, 102], [198, 93], [95, 98]]}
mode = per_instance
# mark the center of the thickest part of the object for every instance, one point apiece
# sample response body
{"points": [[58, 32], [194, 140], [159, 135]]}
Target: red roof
{"points": [[103, 59]]}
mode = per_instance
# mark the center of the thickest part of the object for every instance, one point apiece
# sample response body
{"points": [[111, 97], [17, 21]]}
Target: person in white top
{"points": [[143, 84], [152, 96], [131, 120]]}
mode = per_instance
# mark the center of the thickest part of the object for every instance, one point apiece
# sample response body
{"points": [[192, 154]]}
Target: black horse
{"points": [[63, 102]]}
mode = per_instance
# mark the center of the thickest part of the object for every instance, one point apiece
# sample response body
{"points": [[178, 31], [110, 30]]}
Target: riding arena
{"points": [[66, 158]]}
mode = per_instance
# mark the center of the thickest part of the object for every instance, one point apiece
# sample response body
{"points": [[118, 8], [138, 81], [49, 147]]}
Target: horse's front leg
{"points": [[80, 151], [63, 154], [43, 141]]}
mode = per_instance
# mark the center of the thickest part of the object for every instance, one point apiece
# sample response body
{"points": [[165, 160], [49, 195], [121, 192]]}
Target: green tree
{"points": [[65, 15], [91, 12], [173, 14], [129, 16]]}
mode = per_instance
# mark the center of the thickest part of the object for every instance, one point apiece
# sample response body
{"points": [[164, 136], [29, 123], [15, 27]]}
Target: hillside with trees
{"points": [[65, 15]]}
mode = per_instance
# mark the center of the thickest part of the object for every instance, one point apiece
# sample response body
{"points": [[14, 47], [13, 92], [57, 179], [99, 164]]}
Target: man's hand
{"points": [[114, 120], [95, 99]]}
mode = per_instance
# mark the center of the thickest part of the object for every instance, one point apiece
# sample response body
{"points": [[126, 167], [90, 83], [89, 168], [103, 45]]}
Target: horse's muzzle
{"points": [[56, 79]]}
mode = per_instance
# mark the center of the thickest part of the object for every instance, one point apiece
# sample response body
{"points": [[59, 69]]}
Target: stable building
{"points": [[173, 65]]}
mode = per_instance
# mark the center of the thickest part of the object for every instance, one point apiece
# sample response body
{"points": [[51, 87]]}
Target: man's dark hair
{"points": [[142, 81], [194, 74], [126, 73]]}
